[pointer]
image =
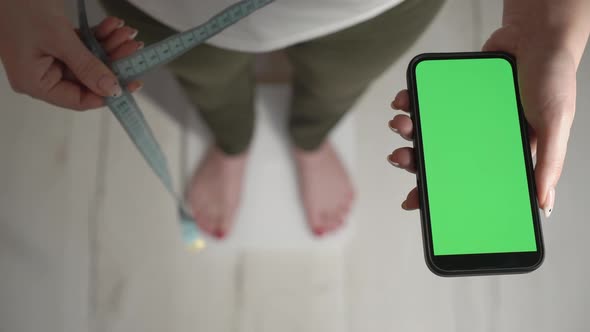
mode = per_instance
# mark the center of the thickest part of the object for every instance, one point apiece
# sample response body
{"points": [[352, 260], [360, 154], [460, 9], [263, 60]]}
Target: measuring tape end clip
{"points": [[190, 233]]}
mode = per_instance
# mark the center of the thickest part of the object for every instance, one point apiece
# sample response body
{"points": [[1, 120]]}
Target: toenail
{"points": [[219, 234]]}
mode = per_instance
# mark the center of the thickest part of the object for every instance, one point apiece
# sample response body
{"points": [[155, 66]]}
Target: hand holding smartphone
{"points": [[474, 169]]}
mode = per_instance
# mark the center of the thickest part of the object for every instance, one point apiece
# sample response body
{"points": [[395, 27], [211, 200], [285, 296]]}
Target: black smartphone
{"points": [[475, 173]]}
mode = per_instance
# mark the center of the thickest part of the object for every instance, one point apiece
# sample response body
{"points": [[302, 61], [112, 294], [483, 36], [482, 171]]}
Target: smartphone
{"points": [[475, 176]]}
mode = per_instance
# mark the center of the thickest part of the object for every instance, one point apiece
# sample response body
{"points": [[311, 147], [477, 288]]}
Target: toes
{"points": [[319, 232], [205, 219], [402, 124], [351, 199], [224, 226], [212, 224], [219, 233], [350, 196], [334, 225], [337, 221], [204, 223], [403, 158], [316, 224], [345, 206], [343, 210], [347, 201], [332, 221], [328, 221], [214, 227], [205, 226]]}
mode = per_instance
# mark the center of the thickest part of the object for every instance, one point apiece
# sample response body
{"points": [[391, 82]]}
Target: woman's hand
{"points": [[404, 157], [45, 59], [547, 59]]}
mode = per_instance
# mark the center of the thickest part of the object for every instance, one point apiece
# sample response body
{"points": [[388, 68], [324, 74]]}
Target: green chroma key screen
{"points": [[473, 157]]}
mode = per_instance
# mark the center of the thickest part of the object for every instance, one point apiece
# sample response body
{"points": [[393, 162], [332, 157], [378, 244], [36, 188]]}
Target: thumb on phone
{"points": [[87, 68]]}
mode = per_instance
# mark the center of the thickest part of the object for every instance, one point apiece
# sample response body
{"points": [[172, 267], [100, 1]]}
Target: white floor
{"points": [[88, 240]]}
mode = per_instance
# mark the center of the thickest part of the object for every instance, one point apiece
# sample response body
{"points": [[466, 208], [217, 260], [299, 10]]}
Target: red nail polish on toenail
{"points": [[219, 234]]}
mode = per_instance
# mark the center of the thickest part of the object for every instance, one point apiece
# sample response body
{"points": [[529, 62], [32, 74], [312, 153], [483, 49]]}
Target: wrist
{"points": [[560, 27], [549, 41]]}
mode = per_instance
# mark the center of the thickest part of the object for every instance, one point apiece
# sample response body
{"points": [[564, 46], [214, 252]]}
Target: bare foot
{"points": [[325, 186], [214, 194]]}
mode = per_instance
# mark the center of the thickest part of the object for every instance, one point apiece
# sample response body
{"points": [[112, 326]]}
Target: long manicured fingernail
{"points": [[141, 45], [391, 161], [390, 124], [133, 34], [110, 86], [549, 202], [405, 205], [121, 24]]}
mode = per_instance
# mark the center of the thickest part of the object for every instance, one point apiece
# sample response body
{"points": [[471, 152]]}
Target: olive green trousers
{"points": [[329, 73]]}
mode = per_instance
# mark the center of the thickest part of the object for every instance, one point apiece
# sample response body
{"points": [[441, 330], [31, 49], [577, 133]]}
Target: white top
{"points": [[280, 24]]}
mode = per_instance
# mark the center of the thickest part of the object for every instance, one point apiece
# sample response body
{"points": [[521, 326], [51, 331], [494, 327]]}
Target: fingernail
{"points": [[391, 161], [318, 232], [139, 87], [390, 124], [110, 86], [121, 24], [404, 205], [133, 34], [549, 202], [141, 45]]}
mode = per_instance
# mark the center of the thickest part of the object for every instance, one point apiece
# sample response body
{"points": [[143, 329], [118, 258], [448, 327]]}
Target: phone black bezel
{"points": [[472, 264]]}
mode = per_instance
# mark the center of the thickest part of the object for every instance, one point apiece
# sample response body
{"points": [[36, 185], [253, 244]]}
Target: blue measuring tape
{"points": [[128, 112]]}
